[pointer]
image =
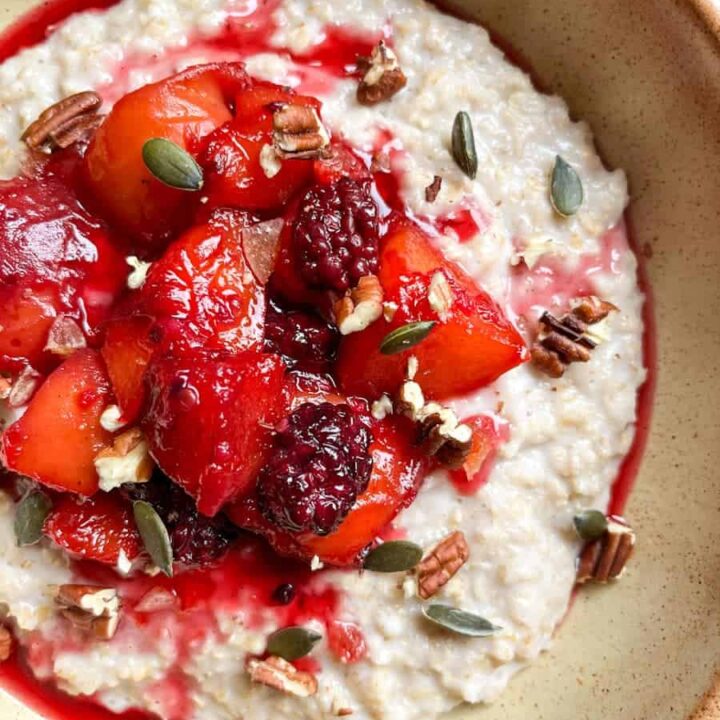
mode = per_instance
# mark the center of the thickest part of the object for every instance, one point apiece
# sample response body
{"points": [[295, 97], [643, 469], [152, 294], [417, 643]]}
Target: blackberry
{"points": [[320, 464], [335, 236], [304, 339], [195, 539]]}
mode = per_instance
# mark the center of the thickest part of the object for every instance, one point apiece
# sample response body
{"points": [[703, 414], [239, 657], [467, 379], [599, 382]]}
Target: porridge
{"points": [[429, 212]]}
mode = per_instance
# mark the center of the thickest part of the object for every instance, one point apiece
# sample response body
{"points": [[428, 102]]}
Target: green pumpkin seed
{"points": [[172, 165], [590, 524], [291, 643], [405, 337], [393, 556], [30, 516], [463, 145], [154, 535], [459, 621], [566, 190]]}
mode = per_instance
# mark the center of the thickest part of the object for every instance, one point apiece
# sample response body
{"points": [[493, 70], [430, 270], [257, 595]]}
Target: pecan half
{"points": [[383, 77], [126, 461], [298, 132], [441, 564], [433, 189], [605, 559], [65, 337], [6, 643], [90, 608], [440, 433], [282, 675], [566, 340], [66, 122], [361, 307]]}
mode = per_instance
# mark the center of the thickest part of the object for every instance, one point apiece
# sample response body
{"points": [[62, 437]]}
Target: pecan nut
{"points": [[5, 388], [93, 609], [441, 564], [127, 460], [24, 387], [298, 132], [6, 643], [605, 559], [383, 77], [361, 307], [567, 340], [66, 122], [282, 675], [440, 295], [433, 189]]}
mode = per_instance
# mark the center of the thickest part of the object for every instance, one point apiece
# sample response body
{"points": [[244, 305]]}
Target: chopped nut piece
{"points": [[5, 388], [605, 559], [382, 407], [110, 419], [592, 309], [157, 599], [440, 295], [282, 675], [6, 643], [567, 340], [298, 132], [410, 400], [383, 77], [24, 387], [380, 163], [389, 310], [412, 367], [64, 123], [443, 436], [433, 189], [270, 162], [441, 564], [127, 461], [138, 272], [361, 307], [90, 608], [65, 337]]}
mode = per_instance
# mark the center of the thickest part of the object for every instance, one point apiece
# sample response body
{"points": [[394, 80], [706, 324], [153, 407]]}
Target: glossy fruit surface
{"points": [[99, 528], [183, 109], [59, 435], [210, 421], [472, 342]]}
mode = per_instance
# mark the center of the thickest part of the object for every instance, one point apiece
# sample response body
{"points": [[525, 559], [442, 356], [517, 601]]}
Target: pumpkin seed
{"points": [[463, 145], [172, 165], [566, 190], [404, 337], [393, 556], [590, 524], [30, 516], [291, 643], [154, 535], [459, 621]]}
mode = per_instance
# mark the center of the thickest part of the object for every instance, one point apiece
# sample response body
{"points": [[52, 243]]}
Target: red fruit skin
{"points": [[57, 438], [210, 421], [184, 109], [234, 176], [468, 349], [94, 529], [127, 350], [55, 258], [398, 470], [202, 294], [339, 162]]}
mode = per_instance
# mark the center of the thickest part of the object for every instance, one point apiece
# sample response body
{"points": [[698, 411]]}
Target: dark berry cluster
{"points": [[195, 539], [335, 236], [304, 339], [320, 464]]}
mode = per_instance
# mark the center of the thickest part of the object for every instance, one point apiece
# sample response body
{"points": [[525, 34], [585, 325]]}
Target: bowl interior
{"points": [[647, 76]]}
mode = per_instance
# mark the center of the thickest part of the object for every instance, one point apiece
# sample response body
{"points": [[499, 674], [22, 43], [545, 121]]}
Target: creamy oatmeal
{"points": [[566, 437]]}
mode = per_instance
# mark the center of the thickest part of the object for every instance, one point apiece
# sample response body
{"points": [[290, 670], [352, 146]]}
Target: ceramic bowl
{"points": [[646, 75]]}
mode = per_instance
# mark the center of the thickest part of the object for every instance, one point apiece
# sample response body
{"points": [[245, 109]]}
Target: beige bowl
{"points": [[646, 74]]}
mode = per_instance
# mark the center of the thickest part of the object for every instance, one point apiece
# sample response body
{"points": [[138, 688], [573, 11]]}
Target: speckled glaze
{"points": [[646, 75]]}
